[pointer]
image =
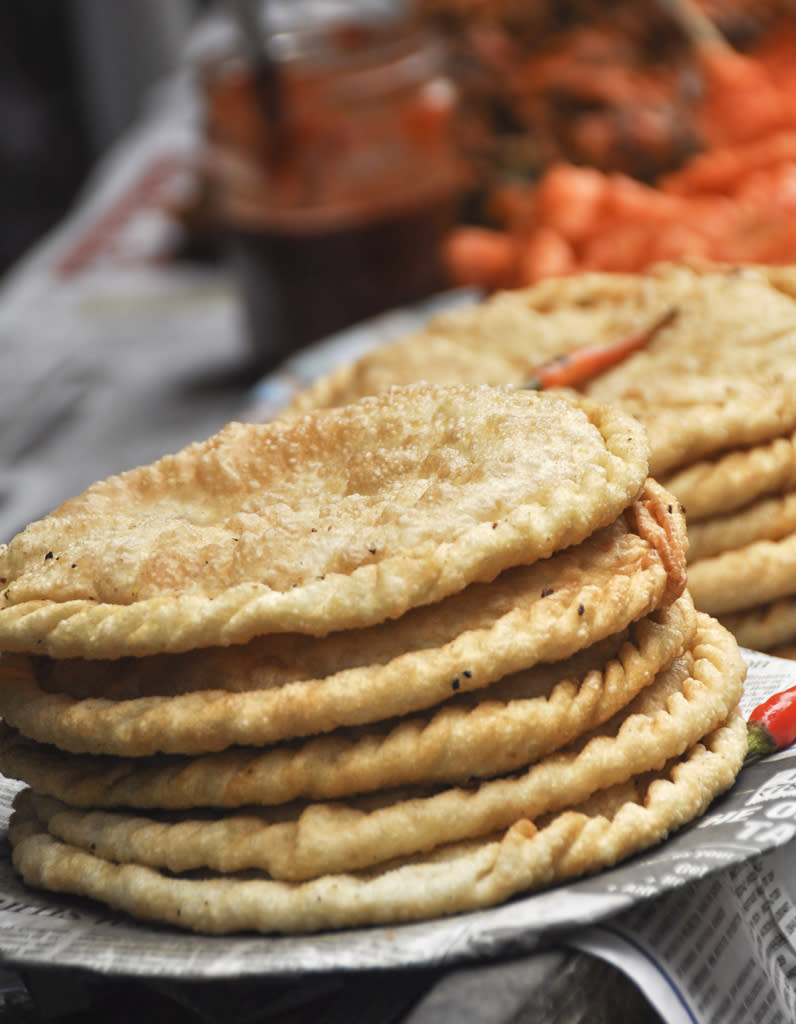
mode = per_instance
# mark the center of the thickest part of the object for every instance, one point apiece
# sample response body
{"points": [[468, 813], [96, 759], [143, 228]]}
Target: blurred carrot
{"points": [[515, 206], [545, 253], [481, 257], [569, 198], [775, 51], [722, 169], [681, 241], [625, 199], [622, 248], [741, 101]]}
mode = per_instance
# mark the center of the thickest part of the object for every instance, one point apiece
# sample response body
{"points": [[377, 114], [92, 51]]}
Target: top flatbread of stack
{"points": [[404, 658], [715, 389], [332, 521]]}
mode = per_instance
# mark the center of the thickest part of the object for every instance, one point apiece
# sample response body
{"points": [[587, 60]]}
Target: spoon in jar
{"points": [[266, 78]]}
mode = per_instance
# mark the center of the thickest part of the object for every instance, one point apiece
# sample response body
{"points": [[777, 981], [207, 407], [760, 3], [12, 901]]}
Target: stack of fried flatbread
{"points": [[381, 663], [715, 388]]}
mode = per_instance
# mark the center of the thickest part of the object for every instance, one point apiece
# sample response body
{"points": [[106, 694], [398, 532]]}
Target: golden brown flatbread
{"points": [[708, 413], [713, 380], [633, 566], [764, 627], [766, 519], [467, 876], [760, 573], [336, 520], [474, 735], [689, 699], [716, 487], [541, 612]]}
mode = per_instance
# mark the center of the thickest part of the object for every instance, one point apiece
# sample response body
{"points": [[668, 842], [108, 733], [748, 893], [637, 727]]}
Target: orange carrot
{"points": [[625, 248], [722, 169], [630, 201], [545, 253], [569, 198], [583, 363], [685, 243], [513, 206], [741, 101], [480, 257]]}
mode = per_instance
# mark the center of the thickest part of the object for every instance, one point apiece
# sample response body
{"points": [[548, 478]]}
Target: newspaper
{"points": [[720, 950]]}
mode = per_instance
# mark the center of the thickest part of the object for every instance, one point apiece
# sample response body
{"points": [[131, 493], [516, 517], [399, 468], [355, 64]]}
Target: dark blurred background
{"points": [[618, 86], [72, 77]]}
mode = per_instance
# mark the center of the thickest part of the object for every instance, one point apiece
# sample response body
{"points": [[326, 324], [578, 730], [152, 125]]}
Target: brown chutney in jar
{"points": [[337, 212]]}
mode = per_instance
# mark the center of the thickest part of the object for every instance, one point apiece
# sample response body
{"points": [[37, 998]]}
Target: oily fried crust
{"points": [[431, 357], [764, 627], [464, 877], [708, 414], [660, 519], [558, 606], [639, 553], [713, 380], [767, 519], [336, 520], [758, 574], [735, 479], [506, 726], [693, 696], [525, 327]]}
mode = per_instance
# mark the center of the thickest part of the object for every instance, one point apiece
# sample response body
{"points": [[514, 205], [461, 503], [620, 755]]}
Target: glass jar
{"points": [[334, 211]]}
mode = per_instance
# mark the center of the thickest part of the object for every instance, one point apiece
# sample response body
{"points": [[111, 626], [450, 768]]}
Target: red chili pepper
{"points": [[575, 367], [772, 725]]}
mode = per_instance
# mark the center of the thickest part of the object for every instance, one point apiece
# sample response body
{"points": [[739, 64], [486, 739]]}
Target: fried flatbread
{"points": [[525, 327], [757, 574], [764, 627], [335, 520], [543, 612], [689, 699], [715, 487], [783, 278], [646, 547], [497, 730], [713, 380], [708, 413], [504, 338], [767, 519], [467, 876]]}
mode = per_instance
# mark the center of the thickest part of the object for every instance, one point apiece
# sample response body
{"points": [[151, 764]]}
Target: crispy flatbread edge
{"points": [[339, 766], [463, 878], [204, 721], [324, 838], [368, 594]]}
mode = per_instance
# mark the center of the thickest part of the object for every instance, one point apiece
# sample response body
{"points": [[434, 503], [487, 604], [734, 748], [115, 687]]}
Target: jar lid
{"points": [[289, 26]]}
